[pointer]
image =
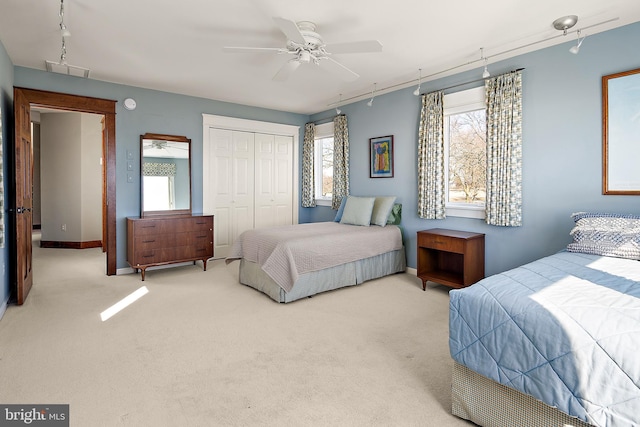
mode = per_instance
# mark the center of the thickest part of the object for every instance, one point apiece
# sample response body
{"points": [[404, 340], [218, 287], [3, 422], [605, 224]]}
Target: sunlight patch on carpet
{"points": [[123, 303]]}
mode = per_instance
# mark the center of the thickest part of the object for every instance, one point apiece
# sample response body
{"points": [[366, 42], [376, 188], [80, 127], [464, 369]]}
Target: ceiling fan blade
{"points": [[233, 49], [338, 69], [364, 46], [287, 69], [290, 29]]}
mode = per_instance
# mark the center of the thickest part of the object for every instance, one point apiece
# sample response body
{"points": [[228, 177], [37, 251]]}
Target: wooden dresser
{"points": [[161, 240]]}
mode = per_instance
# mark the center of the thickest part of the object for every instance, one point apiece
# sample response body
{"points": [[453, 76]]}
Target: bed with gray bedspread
{"points": [[296, 261]]}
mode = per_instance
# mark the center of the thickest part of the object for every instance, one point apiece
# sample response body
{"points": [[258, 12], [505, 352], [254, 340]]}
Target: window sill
{"points": [[323, 202], [462, 211]]}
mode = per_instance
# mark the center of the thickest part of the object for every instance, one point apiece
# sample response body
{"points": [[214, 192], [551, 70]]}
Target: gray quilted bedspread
{"points": [[564, 329], [288, 251]]}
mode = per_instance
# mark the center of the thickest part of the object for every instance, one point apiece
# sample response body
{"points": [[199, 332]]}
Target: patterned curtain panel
{"points": [[308, 178], [431, 157], [340, 160], [504, 149], [159, 169]]}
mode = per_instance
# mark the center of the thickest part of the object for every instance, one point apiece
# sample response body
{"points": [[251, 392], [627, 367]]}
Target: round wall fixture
{"points": [[130, 104]]}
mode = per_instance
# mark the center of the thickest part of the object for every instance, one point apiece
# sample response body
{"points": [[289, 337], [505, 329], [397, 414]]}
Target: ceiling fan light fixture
{"points": [[304, 56]]}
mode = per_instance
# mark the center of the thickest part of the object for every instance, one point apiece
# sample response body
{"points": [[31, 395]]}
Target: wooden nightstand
{"points": [[450, 257]]}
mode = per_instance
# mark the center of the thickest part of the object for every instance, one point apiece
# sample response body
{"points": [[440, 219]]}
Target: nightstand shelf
{"points": [[450, 257]]}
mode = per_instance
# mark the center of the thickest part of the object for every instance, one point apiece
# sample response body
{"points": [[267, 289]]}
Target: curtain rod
{"points": [[403, 84], [324, 120], [471, 81]]}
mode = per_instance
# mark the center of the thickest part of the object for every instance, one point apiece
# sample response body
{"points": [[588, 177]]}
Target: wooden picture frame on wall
{"points": [[381, 157], [620, 133]]}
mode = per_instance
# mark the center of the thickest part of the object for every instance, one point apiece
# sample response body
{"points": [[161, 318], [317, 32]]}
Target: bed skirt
{"points": [[490, 404], [340, 276]]}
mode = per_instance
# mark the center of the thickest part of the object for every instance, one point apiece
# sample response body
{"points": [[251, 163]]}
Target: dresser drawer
{"points": [[154, 256], [188, 252], [443, 243], [151, 226], [155, 241], [193, 224]]}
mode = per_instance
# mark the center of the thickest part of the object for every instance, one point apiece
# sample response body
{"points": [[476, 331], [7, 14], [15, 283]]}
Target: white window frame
{"points": [[325, 130], [456, 103]]}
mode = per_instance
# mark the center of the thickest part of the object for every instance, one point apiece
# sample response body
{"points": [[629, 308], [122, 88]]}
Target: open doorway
{"points": [[67, 178]]}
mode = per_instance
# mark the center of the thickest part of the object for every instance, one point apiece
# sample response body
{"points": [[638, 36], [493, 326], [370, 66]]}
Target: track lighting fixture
{"points": [[564, 23], [485, 74], [373, 91], [338, 111], [64, 31], [62, 66], [417, 91], [575, 49]]}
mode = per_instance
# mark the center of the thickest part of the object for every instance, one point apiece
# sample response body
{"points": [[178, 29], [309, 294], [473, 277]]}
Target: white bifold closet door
{"points": [[248, 183]]}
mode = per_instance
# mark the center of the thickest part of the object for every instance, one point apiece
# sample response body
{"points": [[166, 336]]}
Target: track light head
{"points": [[486, 74], [575, 49], [417, 91], [338, 111], [370, 103]]}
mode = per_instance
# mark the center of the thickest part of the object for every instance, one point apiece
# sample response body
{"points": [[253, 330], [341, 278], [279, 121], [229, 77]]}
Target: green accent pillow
{"points": [[395, 216]]}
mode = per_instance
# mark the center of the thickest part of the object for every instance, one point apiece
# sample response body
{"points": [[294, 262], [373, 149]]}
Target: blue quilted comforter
{"points": [[564, 329]]}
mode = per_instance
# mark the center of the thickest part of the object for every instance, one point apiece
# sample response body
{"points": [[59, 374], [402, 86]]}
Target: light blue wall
{"points": [[562, 147], [156, 112], [561, 136], [6, 115]]}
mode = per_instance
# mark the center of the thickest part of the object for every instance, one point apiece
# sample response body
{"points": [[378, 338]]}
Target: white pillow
{"points": [[381, 209], [357, 210]]}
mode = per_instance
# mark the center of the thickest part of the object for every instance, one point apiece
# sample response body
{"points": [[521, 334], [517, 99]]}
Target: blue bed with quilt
{"points": [[555, 341]]}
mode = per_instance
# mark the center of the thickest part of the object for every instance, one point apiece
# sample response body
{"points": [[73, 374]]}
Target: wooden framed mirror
{"points": [[165, 168], [620, 130]]}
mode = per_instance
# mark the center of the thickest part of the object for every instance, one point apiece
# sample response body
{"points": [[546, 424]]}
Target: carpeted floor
{"points": [[199, 349]]}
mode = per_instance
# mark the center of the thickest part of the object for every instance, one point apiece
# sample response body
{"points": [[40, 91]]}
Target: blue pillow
{"points": [[340, 210]]}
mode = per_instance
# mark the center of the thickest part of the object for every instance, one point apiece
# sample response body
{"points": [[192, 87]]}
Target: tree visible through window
{"points": [[327, 167], [467, 157], [324, 163]]}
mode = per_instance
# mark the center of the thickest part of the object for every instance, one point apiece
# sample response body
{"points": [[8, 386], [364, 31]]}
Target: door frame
{"points": [[107, 108]]}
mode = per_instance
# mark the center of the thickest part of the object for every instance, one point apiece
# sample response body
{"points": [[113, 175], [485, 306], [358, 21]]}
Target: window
{"points": [[158, 193], [324, 164], [465, 153]]}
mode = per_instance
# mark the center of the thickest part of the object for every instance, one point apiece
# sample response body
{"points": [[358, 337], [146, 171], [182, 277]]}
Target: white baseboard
{"points": [[413, 271]]}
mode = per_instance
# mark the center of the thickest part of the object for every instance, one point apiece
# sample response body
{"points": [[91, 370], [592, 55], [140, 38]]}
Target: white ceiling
{"points": [[177, 46]]}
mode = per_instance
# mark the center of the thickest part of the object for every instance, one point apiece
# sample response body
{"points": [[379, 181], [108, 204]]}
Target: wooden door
{"points": [[23, 196]]}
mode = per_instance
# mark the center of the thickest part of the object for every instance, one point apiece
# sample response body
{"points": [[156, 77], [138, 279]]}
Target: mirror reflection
{"points": [[166, 174]]}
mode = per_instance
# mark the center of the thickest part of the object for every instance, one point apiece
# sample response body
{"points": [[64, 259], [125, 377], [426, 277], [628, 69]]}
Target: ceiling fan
{"points": [[306, 46]]}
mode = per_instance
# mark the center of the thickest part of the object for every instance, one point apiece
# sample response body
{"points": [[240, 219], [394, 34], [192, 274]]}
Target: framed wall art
{"points": [[381, 157], [620, 133]]}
